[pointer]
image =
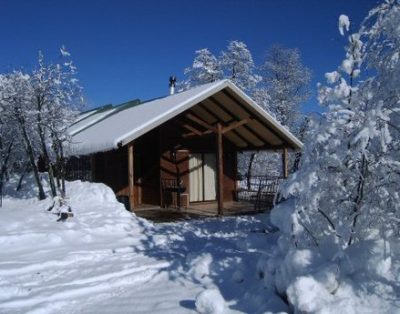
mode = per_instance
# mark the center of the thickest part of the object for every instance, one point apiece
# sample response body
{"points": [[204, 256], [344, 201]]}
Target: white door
{"points": [[202, 177], [195, 178], [210, 177]]}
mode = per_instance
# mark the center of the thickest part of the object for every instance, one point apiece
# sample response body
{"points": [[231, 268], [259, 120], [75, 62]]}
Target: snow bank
{"points": [[325, 279], [97, 216], [210, 301], [307, 295]]}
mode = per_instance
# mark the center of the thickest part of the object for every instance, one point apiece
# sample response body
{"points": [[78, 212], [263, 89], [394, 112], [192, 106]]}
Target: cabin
{"points": [[177, 151]]}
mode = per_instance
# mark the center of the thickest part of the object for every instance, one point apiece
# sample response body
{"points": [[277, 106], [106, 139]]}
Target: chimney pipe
{"points": [[172, 83]]}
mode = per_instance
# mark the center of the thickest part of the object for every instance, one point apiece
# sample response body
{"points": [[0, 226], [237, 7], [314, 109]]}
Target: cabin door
{"points": [[202, 177]]}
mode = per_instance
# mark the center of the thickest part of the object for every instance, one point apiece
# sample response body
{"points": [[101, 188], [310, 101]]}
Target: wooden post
{"points": [[220, 170], [285, 163], [131, 176]]}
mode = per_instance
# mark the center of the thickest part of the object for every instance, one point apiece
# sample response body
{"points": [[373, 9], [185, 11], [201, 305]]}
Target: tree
{"points": [[6, 144], [347, 185], [287, 83], [238, 65], [36, 110], [16, 92], [56, 98], [205, 69], [284, 87]]}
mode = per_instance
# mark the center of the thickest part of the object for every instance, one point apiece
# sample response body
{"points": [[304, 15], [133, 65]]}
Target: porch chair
{"points": [[171, 192]]}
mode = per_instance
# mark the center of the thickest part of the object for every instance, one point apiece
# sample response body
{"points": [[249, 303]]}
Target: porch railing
{"points": [[260, 191]]}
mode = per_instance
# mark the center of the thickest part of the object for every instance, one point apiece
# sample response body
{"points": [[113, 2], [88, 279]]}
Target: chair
{"points": [[171, 188]]}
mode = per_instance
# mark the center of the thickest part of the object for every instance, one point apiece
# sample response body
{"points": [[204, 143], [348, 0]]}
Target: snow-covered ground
{"points": [[106, 260]]}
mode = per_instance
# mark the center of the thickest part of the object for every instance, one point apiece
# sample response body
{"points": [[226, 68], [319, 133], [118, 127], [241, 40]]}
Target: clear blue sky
{"points": [[128, 49]]}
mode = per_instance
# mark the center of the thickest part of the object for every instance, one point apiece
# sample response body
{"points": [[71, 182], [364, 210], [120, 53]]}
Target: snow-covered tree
{"points": [[205, 69], [287, 83], [340, 214], [56, 101], [347, 186], [7, 141], [16, 92], [235, 63], [284, 87], [36, 110], [238, 65]]}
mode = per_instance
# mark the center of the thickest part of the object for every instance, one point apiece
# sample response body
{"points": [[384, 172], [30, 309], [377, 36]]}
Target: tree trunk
{"points": [[19, 185], [45, 153], [296, 163], [62, 168], [31, 156], [249, 173], [4, 163], [359, 197]]}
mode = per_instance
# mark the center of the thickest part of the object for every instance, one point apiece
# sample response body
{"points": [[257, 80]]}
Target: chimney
{"points": [[172, 82]]}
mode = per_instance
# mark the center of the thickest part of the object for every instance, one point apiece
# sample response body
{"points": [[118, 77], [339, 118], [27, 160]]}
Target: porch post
{"points": [[131, 176], [220, 170], [285, 163]]}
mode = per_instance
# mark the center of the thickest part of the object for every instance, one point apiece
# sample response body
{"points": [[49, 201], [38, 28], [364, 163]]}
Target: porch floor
{"points": [[195, 211]]}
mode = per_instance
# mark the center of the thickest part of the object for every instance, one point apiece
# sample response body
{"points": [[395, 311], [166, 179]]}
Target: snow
{"points": [[347, 66], [361, 279], [64, 52], [135, 121], [308, 295], [344, 24], [210, 302], [332, 77], [107, 260], [87, 120]]}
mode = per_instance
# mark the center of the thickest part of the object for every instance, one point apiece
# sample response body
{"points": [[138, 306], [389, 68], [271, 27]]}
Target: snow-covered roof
{"points": [[118, 126], [89, 118]]}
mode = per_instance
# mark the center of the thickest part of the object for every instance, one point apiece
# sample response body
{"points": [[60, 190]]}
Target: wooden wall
{"points": [[111, 168]]}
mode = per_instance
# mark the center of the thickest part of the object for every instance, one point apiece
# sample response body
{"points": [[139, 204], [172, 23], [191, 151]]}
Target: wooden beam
{"points": [[267, 147], [235, 125], [131, 175], [218, 119], [223, 108], [186, 135], [285, 162], [200, 121], [250, 113], [220, 170], [192, 129]]}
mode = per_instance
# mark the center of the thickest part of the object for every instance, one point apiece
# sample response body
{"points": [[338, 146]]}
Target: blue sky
{"points": [[128, 49]]}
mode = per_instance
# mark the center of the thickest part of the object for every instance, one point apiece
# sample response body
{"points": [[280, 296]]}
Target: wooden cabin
{"points": [[177, 150]]}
